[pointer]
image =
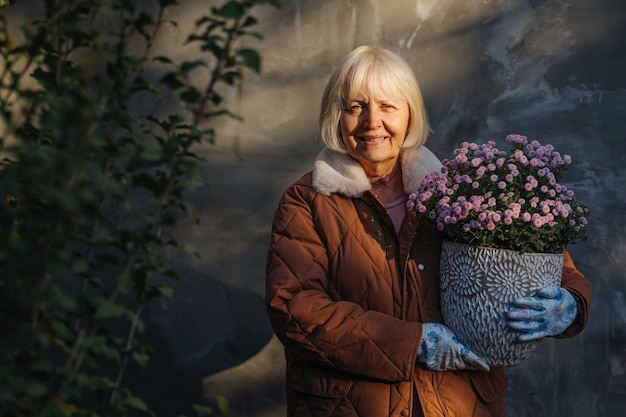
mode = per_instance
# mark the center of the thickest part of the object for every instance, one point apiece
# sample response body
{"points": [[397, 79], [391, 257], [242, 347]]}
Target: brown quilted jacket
{"points": [[347, 296]]}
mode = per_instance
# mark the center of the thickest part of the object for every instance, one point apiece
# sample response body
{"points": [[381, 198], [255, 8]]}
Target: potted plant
{"points": [[506, 219]]}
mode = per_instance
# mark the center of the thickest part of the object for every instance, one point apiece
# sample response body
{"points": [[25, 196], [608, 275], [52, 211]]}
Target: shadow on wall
{"points": [[254, 388], [204, 329]]}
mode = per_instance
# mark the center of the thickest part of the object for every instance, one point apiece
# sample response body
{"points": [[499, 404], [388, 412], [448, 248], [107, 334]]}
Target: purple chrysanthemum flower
{"points": [[483, 190]]}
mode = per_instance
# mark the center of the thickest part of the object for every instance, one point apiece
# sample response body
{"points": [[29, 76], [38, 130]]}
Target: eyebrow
{"points": [[381, 100]]}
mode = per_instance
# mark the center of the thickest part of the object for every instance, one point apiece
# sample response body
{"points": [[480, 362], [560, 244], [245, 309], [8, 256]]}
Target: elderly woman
{"points": [[352, 275]]}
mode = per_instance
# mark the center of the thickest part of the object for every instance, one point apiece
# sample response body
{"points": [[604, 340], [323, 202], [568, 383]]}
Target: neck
{"points": [[388, 187], [385, 176]]}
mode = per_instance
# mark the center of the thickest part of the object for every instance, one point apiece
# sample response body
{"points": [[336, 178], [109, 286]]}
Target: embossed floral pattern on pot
{"points": [[478, 283]]}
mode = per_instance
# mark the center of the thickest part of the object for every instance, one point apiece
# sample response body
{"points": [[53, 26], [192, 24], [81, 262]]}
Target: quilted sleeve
{"points": [[580, 287], [335, 333]]}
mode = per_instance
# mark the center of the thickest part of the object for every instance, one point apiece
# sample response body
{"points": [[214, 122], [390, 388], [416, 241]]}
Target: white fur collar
{"points": [[335, 172]]}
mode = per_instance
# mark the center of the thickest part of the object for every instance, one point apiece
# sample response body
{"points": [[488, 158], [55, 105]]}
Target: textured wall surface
{"points": [[552, 70]]}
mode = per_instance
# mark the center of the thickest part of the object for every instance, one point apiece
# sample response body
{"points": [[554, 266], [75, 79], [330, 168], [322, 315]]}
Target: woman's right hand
{"points": [[440, 350]]}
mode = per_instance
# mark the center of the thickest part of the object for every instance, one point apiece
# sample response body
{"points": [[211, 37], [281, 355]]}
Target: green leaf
{"points": [[67, 408], [167, 3], [142, 20], [162, 59], [96, 348], [61, 329], [202, 410], [187, 66], [162, 290], [222, 404], [136, 320], [230, 77], [275, 3], [213, 114], [172, 81], [250, 58], [190, 95], [147, 153], [101, 383], [125, 283], [250, 21], [106, 309], [134, 403], [142, 355], [230, 10]]}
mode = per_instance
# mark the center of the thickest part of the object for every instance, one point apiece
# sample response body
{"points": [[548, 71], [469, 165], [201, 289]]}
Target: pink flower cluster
{"points": [[487, 197]]}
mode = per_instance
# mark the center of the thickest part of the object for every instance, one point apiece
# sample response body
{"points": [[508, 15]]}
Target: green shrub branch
{"points": [[94, 188]]}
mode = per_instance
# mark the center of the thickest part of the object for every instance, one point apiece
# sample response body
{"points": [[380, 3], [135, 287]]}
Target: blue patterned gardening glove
{"points": [[441, 351], [548, 313]]}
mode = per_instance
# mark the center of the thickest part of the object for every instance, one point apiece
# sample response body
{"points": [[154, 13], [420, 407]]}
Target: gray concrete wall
{"points": [[552, 70]]}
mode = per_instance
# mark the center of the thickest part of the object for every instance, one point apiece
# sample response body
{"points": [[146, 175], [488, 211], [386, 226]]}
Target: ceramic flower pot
{"points": [[477, 284]]}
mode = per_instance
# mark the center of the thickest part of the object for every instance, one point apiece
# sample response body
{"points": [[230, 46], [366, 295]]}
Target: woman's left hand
{"points": [[549, 313]]}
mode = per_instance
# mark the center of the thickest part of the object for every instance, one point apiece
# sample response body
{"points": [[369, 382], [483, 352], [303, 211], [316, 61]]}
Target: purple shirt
{"points": [[396, 212]]}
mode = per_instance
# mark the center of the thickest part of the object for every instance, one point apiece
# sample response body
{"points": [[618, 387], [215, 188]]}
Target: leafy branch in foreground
{"points": [[93, 188]]}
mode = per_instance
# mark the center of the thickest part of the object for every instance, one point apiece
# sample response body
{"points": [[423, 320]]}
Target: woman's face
{"points": [[373, 130]]}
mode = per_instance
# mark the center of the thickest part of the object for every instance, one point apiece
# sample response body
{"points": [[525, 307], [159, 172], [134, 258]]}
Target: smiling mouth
{"points": [[372, 140]]}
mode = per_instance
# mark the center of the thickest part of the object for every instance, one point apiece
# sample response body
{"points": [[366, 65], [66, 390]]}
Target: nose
{"points": [[372, 117]]}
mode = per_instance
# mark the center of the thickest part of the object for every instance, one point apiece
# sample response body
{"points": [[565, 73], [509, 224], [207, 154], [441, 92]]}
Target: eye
{"points": [[356, 108]]}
